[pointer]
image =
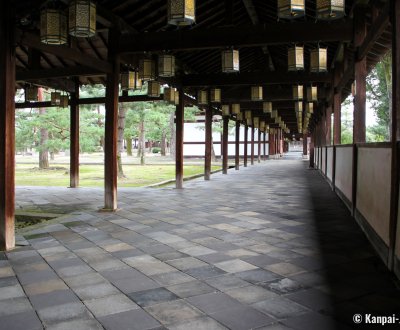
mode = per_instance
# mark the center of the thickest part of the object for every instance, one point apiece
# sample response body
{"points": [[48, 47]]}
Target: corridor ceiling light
{"points": [[130, 80], [202, 98], [153, 88], [181, 12], [82, 18], [64, 100], [230, 60], [318, 59], [291, 8], [55, 98], [215, 95], [225, 110], [256, 93], [298, 92], [236, 108], [330, 9], [296, 58], [169, 95], [53, 27], [310, 107], [147, 69], [166, 65], [31, 93], [312, 93], [267, 107], [176, 97]]}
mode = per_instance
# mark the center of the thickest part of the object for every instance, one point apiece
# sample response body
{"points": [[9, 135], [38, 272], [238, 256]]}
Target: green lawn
{"points": [[92, 175]]}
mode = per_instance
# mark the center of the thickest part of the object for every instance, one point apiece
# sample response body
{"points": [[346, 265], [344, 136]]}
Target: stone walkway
{"points": [[266, 247]]}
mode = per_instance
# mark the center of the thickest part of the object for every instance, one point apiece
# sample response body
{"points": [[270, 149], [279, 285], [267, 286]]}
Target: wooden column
{"points": [[179, 122], [225, 145], [246, 142], [271, 143], [111, 127], [312, 151], [265, 146], [237, 145], [259, 147], [328, 124], [74, 139], [252, 146], [305, 151], [360, 75], [208, 141], [7, 125]]}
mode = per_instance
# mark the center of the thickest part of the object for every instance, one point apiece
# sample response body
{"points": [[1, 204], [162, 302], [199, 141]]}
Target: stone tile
{"points": [[313, 320], [213, 302], [226, 282], [136, 319], [21, 321], [14, 306], [148, 265], [60, 313], [284, 269], [257, 276], [186, 263], [190, 289], [235, 266], [197, 251], [250, 294], [95, 291], [203, 323], [280, 307], [172, 278], [282, 286], [6, 271], [152, 297], [85, 323], [45, 287], [165, 256], [59, 297], [202, 273], [8, 281], [110, 305], [313, 299], [8, 292]]}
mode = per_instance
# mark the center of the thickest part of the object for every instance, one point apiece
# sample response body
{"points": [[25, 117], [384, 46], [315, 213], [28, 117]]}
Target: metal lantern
{"points": [[230, 61], [240, 116], [236, 108], [225, 110], [318, 59], [274, 113], [147, 69], [130, 80], [55, 98], [31, 94], [82, 18], [153, 89], [256, 122], [298, 92], [267, 107], [176, 97], [53, 27], [215, 95], [256, 93], [166, 65], [296, 58], [64, 100], [202, 97], [249, 121], [262, 125], [247, 114], [181, 12], [298, 107], [312, 93], [330, 9], [291, 8], [310, 107], [169, 95]]}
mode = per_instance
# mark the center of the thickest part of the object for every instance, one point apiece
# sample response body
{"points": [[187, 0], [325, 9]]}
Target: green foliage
{"points": [[156, 150]]}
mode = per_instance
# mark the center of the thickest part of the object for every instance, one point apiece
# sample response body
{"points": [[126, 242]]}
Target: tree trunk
{"points": [[44, 136], [141, 144], [172, 142], [120, 145], [129, 147], [163, 143]]}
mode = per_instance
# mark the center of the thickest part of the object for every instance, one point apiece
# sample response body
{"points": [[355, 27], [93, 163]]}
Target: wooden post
{"points": [[259, 147], [225, 145], [7, 125], [312, 151], [265, 146], [179, 122], [208, 141], [305, 146], [111, 127], [271, 142], [252, 146], [237, 145], [246, 142], [360, 74], [74, 137]]}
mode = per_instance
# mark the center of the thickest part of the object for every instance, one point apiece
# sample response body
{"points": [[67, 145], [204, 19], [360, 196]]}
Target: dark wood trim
{"points": [[354, 178], [246, 142], [74, 139], [237, 145], [224, 145], [58, 73], [252, 146], [208, 139], [344, 199], [179, 121]]}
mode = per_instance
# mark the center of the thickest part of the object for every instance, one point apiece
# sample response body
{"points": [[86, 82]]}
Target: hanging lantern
{"points": [[169, 95], [256, 93], [318, 60], [291, 8], [247, 114], [53, 27], [240, 116], [215, 95], [310, 107], [298, 107], [230, 61], [176, 97], [147, 69], [31, 94], [262, 125], [330, 9], [236, 108], [296, 58], [153, 89], [274, 113], [202, 98], [298, 92], [256, 122], [225, 110], [82, 18], [267, 107], [64, 100], [249, 121], [130, 80], [166, 65], [312, 93], [55, 98], [181, 12]]}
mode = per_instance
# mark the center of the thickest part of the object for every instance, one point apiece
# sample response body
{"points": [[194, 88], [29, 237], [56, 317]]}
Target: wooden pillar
{"points": [[264, 146], [252, 146], [225, 145], [74, 139], [237, 145], [208, 141], [259, 146], [312, 151], [246, 142], [360, 75], [305, 146], [111, 127], [7, 125], [179, 122], [328, 124]]}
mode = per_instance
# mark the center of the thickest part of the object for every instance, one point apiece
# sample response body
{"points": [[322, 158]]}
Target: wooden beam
{"points": [[237, 145], [57, 73], [7, 126], [74, 138], [225, 132], [238, 36], [179, 120]]}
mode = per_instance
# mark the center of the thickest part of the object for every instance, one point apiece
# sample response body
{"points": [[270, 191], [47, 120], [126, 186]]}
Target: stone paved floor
{"points": [[266, 247]]}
